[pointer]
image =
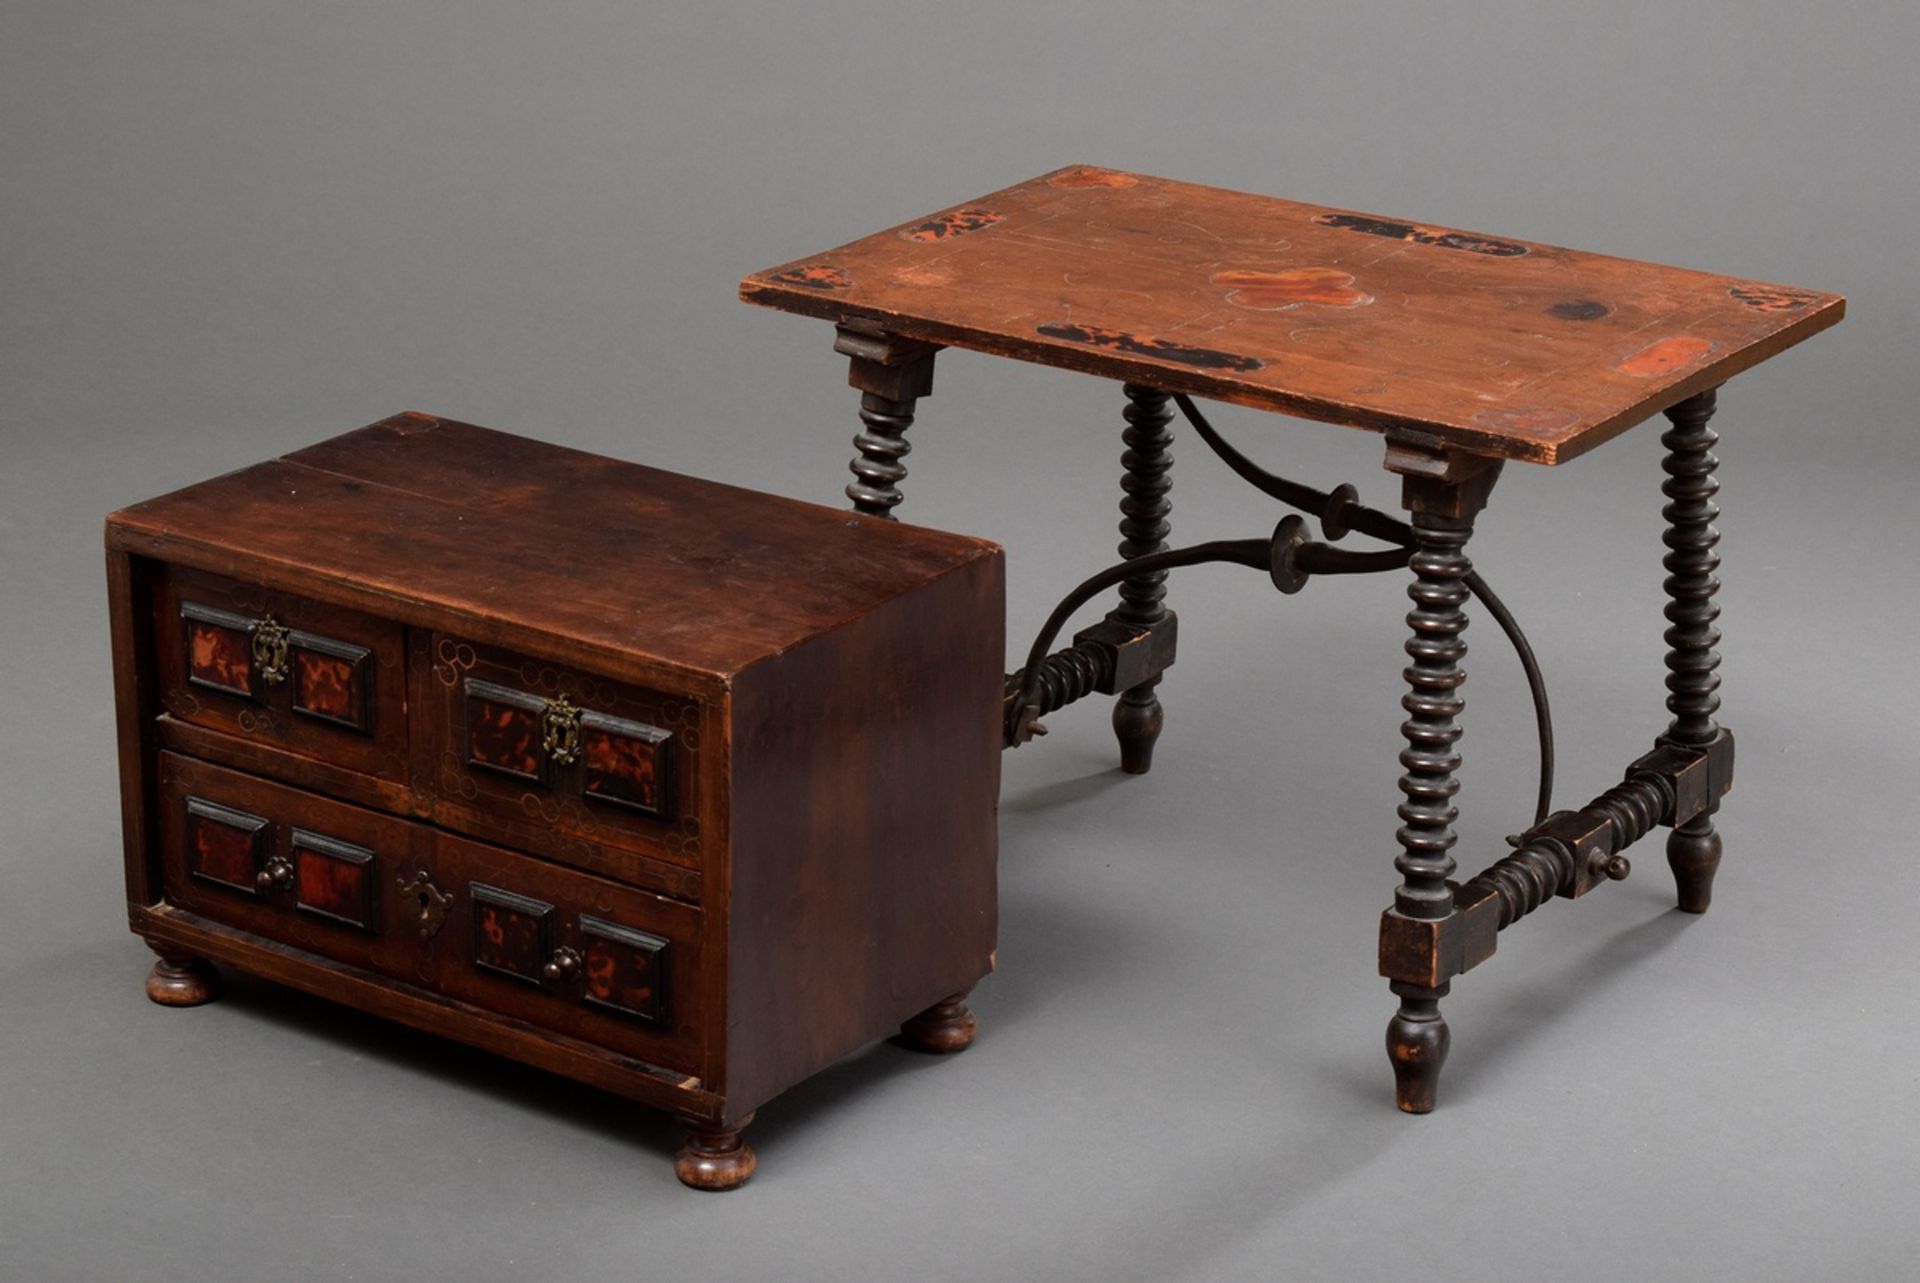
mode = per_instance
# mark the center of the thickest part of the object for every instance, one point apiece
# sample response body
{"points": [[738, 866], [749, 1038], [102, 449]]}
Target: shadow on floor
{"points": [[1543, 999]]}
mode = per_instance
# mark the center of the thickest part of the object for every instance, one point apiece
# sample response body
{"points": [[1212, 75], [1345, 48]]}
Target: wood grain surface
{"points": [[1446, 338], [490, 536]]}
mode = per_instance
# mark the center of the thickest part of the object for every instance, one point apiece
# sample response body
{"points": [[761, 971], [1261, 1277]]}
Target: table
{"points": [[1464, 350]]}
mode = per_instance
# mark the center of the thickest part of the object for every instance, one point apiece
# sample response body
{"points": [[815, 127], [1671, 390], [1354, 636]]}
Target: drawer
{"points": [[565, 763], [608, 964], [501, 930], [293, 867], [282, 670]]}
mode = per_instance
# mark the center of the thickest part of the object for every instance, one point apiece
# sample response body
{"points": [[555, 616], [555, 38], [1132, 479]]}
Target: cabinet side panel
{"points": [[129, 612], [866, 774]]}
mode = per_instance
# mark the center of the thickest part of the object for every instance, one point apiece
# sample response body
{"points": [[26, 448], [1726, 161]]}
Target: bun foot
{"points": [[1138, 720], [1417, 1042], [715, 1158], [182, 980], [1693, 852], [942, 1029]]}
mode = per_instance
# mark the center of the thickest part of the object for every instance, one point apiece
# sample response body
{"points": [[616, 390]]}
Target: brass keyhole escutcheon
{"points": [[561, 737], [270, 650], [429, 903]]}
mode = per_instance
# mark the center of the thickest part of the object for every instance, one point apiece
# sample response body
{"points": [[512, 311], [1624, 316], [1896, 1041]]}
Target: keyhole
{"points": [[424, 903]]}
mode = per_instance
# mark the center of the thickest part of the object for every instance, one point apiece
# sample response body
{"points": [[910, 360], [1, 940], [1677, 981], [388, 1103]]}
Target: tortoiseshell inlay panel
{"points": [[331, 680], [627, 763], [625, 969], [503, 729], [333, 879], [512, 934], [219, 649], [224, 845]]}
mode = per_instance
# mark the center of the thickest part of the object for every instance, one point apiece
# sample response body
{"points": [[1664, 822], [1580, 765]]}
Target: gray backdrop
{"points": [[231, 229]]}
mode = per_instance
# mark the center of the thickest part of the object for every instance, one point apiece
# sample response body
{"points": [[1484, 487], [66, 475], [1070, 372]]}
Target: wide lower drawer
{"points": [[502, 930]]}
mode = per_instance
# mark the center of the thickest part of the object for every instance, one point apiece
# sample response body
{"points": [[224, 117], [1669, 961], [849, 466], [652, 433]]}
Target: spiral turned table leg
{"points": [[1417, 1037], [1137, 714], [1443, 495], [877, 469], [1693, 678], [892, 374]]}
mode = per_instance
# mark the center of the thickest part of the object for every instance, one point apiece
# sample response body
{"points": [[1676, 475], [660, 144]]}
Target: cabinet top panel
{"points": [[449, 525]]}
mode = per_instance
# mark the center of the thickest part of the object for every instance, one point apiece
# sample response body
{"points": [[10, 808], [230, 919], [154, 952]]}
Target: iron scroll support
{"points": [[1126, 654]]}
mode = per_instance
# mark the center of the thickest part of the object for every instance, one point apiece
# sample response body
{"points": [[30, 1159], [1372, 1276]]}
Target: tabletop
{"points": [[1443, 337]]}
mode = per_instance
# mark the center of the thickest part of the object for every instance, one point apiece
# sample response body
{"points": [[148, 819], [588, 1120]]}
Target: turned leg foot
{"points": [[1693, 852], [715, 1158], [1137, 721], [942, 1029], [1417, 1042], [182, 980]]}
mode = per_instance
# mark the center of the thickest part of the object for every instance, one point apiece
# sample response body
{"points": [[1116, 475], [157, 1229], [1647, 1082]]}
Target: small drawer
{"points": [[286, 671], [573, 953], [571, 765], [288, 865]]}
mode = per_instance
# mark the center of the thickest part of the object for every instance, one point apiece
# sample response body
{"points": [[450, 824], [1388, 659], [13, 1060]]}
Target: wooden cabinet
{"points": [[681, 790]]}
